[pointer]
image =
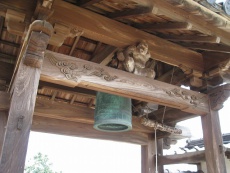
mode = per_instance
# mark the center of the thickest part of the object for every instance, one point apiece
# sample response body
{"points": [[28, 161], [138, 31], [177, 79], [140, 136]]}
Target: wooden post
{"points": [[214, 151], [23, 98], [160, 167], [147, 156]]}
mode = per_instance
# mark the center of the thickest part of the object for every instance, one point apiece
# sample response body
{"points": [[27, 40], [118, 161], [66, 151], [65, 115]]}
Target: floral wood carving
{"points": [[176, 92], [73, 72], [218, 96]]}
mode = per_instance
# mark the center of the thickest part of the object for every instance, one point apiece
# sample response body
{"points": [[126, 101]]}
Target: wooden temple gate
{"points": [[41, 56]]}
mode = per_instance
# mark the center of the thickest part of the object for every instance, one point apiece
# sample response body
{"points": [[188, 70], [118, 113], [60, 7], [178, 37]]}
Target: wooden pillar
{"points": [[23, 98], [160, 167], [214, 152], [147, 156]]}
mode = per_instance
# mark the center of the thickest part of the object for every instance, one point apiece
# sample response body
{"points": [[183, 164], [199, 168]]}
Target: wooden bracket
{"points": [[61, 32], [15, 22], [218, 96], [43, 10]]}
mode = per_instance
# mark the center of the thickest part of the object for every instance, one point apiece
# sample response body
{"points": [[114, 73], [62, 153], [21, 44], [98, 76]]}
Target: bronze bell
{"points": [[113, 113]]}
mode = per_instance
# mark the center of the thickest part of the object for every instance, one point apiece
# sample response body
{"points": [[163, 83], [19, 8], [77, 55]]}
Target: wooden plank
{"points": [[105, 56], [7, 58], [147, 156], [85, 3], [100, 78], [47, 125], [208, 47], [190, 157], [22, 105], [117, 34]]}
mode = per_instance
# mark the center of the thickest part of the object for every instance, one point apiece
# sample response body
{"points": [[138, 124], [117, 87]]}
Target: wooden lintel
{"points": [[190, 157], [105, 56], [165, 26], [208, 47], [192, 38], [48, 125], [65, 70], [119, 35]]}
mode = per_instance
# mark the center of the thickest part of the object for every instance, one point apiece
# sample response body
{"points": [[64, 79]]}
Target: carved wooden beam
{"points": [[23, 99], [69, 71], [115, 34], [218, 96]]}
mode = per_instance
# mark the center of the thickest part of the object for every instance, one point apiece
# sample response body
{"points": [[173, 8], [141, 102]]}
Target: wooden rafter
{"points": [[192, 38], [115, 34], [101, 78], [208, 47], [105, 56]]}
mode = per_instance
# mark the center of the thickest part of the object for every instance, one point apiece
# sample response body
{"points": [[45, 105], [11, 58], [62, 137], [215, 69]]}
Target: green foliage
{"points": [[40, 164]]}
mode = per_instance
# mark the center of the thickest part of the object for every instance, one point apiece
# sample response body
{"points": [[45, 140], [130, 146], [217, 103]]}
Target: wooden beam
{"points": [[9, 43], [120, 35], [100, 78], [47, 125], [208, 47], [23, 101], [7, 58], [165, 26], [192, 38], [63, 111], [85, 3], [190, 157], [105, 56], [141, 10]]}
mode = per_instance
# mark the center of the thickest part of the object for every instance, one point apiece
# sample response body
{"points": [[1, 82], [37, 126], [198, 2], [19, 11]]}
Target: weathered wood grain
{"points": [[21, 112], [66, 70], [117, 34], [3, 121]]}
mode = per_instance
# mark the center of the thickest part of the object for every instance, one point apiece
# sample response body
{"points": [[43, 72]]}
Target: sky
{"points": [[73, 155]]}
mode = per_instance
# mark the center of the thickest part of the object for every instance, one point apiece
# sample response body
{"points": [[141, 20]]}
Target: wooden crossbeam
{"points": [[117, 34], [48, 125], [165, 26], [192, 38], [208, 47], [191, 157], [86, 74], [85, 3]]}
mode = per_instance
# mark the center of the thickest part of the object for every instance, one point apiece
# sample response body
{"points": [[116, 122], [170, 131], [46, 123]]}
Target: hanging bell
{"points": [[113, 113]]}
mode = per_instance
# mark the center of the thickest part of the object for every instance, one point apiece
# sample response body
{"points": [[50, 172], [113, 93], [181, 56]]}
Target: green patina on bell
{"points": [[113, 113]]}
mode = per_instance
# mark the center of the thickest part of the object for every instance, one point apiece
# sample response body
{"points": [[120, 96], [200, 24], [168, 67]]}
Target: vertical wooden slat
{"points": [[23, 100]]}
